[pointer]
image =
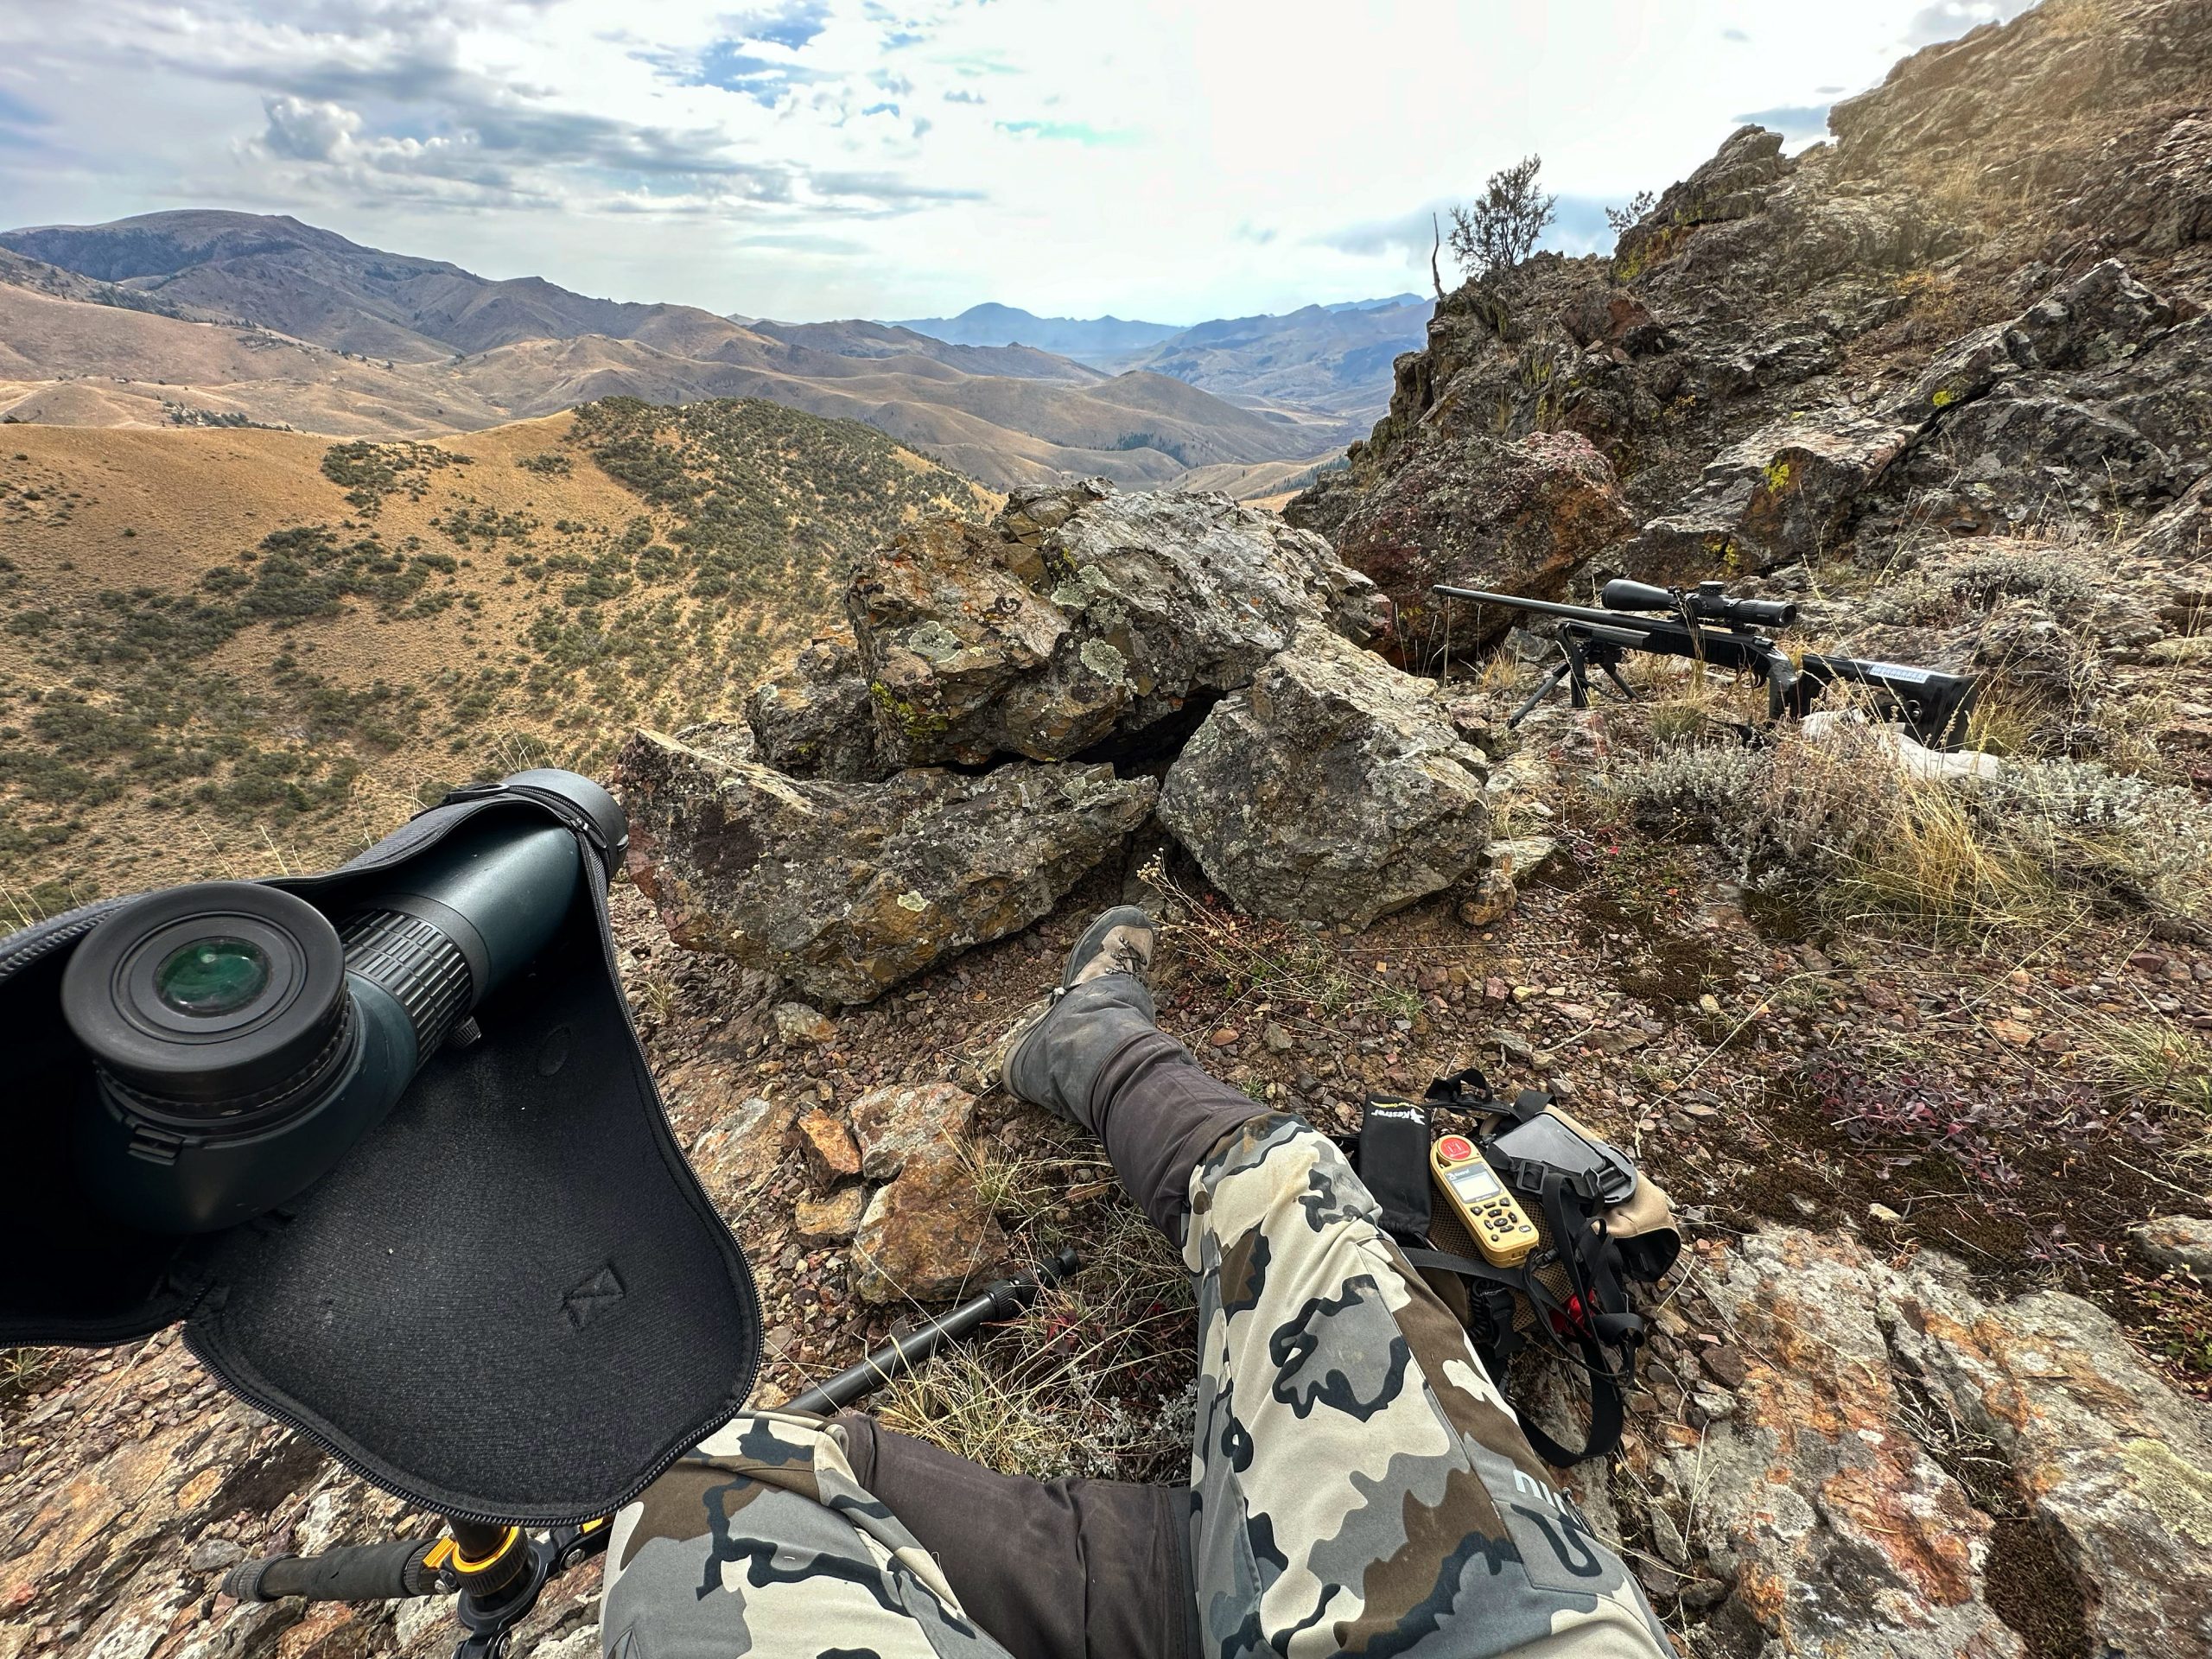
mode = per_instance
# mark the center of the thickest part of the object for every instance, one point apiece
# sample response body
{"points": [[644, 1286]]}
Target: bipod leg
{"points": [[1613, 674], [1578, 677], [1550, 684]]}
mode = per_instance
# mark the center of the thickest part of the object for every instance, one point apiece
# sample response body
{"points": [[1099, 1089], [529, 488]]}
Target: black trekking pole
{"points": [[1001, 1301]]}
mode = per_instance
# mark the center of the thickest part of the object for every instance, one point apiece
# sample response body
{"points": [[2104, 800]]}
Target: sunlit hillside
{"points": [[227, 651]]}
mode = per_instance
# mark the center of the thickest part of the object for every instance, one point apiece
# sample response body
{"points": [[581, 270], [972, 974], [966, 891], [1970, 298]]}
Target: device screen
{"points": [[1473, 1182]]}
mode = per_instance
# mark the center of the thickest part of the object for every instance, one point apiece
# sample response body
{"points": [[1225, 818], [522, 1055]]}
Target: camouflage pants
{"points": [[1358, 1484]]}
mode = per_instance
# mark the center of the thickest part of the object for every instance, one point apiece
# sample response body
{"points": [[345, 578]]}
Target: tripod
{"points": [[500, 1571]]}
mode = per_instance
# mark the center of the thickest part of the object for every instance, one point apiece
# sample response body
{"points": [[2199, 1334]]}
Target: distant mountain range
{"points": [[1330, 358], [200, 316], [991, 324]]}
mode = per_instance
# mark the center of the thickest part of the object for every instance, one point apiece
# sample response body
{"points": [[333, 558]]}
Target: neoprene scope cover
{"points": [[510, 1301]]}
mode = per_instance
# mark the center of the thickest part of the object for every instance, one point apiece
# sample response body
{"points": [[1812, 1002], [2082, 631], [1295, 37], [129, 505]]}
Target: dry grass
{"points": [[1875, 844], [2155, 1061], [1092, 1379], [1268, 967]]}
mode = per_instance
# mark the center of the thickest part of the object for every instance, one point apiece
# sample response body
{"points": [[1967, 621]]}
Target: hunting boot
{"points": [[1093, 1055]]}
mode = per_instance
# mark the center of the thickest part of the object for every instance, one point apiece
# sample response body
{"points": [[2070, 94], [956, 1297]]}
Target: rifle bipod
{"points": [[1576, 658], [500, 1572]]}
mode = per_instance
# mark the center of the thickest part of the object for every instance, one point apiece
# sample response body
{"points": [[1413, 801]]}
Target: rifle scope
{"points": [[1706, 603], [241, 1041]]}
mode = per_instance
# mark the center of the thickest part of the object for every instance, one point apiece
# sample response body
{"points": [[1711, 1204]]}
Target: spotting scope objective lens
{"points": [[214, 975]]}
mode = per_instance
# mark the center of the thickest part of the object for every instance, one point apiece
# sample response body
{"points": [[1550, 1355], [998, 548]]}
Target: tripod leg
{"points": [[1613, 674]]}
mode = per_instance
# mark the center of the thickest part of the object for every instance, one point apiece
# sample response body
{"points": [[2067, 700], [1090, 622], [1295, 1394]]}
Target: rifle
{"points": [[1706, 624]]}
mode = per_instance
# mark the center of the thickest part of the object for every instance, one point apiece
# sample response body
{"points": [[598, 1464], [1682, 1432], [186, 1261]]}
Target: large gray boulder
{"points": [[812, 714], [847, 888], [1333, 789], [1082, 615]]}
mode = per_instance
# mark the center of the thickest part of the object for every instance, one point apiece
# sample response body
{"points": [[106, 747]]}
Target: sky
{"points": [[1171, 159]]}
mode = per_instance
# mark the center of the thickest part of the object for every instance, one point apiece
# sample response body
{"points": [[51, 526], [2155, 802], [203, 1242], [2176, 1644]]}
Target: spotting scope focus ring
{"points": [[215, 1005]]}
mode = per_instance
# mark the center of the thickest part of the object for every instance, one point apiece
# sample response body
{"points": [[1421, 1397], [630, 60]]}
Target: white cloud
{"points": [[819, 157]]}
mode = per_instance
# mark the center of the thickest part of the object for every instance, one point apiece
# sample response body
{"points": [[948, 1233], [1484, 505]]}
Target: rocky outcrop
{"points": [[1514, 517], [844, 889], [812, 717], [1782, 496], [2093, 398], [1879, 1462], [1081, 615], [1918, 327], [1333, 789]]}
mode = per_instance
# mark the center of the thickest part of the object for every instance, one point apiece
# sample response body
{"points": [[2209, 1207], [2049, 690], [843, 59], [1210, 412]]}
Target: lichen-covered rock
{"points": [[1782, 496], [1881, 1463], [2184, 1242], [2112, 1462], [845, 889], [799, 1027], [1510, 518], [896, 1124], [1081, 615], [2097, 396], [737, 1153], [827, 1143], [1835, 1530], [812, 715], [831, 1220], [1334, 789], [927, 1236]]}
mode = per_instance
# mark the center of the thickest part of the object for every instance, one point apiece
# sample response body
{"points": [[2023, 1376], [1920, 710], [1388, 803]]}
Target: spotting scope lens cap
{"points": [[211, 1001]]}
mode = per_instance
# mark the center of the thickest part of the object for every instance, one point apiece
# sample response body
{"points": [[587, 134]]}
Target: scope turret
{"points": [[1706, 603]]}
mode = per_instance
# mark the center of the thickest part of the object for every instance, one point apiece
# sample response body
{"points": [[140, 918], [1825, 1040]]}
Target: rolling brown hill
{"points": [[197, 317], [230, 651]]}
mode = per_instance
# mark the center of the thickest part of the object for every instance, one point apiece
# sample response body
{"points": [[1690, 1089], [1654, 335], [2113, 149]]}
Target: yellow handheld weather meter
{"points": [[1492, 1216]]}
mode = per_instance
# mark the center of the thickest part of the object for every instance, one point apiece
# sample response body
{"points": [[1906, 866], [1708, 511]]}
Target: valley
{"points": [[233, 651], [198, 318]]}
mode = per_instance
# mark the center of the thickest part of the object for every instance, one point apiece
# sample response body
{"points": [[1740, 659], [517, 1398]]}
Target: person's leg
{"points": [[1054, 1569], [1361, 1484], [762, 1542]]}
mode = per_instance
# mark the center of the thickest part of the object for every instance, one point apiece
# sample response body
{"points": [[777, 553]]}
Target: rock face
{"points": [[2092, 399], [1334, 789], [1514, 517], [1783, 495], [1978, 308], [812, 717], [847, 888], [1890, 1466], [1079, 615]]}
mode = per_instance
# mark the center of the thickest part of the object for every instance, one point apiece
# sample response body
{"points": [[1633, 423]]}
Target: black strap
{"points": [[1607, 1405]]}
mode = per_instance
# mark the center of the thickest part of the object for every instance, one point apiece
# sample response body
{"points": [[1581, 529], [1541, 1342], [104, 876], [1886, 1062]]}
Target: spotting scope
{"points": [[242, 1039]]}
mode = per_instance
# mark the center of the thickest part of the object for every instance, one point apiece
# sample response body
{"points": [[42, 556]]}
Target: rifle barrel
{"points": [[1540, 607]]}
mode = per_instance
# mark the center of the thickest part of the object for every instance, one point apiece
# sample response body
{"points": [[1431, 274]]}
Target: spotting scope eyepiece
{"points": [[242, 1039], [1706, 603]]}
